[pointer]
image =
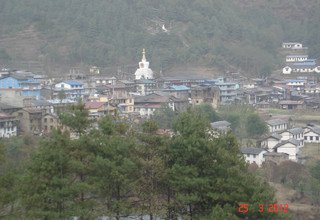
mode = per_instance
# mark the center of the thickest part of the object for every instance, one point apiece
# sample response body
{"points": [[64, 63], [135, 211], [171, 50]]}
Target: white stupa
{"points": [[143, 72]]}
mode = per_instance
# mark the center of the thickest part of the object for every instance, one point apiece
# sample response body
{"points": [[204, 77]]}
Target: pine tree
{"points": [[115, 170], [76, 118], [206, 172], [149, 153], [45, 187]]}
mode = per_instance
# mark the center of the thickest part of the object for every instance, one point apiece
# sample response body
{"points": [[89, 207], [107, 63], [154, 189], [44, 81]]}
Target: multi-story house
{"points": [[165, 82], [96, 109], [296, 58], [312, 134], [50, 122], [205, 94], [297, 84], [294, 133], [8, 125], [26, 84], [307, 66], [228, 91], [276, 125], [290, 147], [30, 120], [179, 91], [145, 86], [253, 155], [146, 105], [125, 104], [69, 89]]}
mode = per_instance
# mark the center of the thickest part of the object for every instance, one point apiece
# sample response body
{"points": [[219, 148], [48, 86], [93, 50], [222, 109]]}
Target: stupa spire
{"points": [[144, 55]]}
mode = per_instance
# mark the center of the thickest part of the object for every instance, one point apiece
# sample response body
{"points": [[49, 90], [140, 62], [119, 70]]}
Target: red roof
{"points": [[94, 105]]}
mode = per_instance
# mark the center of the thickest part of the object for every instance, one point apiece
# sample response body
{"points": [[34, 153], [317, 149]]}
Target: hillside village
{"points": [[31, 103]]}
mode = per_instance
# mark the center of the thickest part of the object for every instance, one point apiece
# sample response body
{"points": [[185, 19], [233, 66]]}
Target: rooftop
{"points": [[73, 82], [179, 88], [94, 105], [291, 141], [220, 124], [273, 135], [5, 116], [275, 154], [274, 122], [4, 106], [295, 131], [291, 102], [297, 56], [32, 110], [252, 150], [315, 129]]}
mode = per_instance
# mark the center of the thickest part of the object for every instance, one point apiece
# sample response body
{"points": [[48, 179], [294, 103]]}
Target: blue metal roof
{"points": [[73, 83], [305, 63], [179, 87], [295, 80]]}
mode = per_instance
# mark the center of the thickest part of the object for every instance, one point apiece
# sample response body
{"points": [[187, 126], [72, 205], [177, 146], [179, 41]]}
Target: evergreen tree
{"points": [[82, 155], [164, 117], [206, 172], [76, 118], [208, 111], [115, 170], [255, 126], [149, 153], [45, 187]]}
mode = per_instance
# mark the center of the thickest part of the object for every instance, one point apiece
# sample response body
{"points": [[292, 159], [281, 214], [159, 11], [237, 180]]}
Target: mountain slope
{"points": [[241, 34]]}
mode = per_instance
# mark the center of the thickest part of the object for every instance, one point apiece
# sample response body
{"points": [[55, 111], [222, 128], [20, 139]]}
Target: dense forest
{"points": [[116, 168], [227, 34]]}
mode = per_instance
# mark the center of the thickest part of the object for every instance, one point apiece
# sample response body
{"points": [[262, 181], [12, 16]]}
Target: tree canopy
{"points": [[110, 170]]}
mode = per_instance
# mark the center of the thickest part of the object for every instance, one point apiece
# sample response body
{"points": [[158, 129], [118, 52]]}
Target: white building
{"points": [[294, 133], [275, 125], [146, 110], [296, 83], [290, 147], [253, 155], [307, 66], [270, 142], [287, 70], [143, 72], [8, 125], [312, 134], [291, 45], [296, 58], [71, 89]]}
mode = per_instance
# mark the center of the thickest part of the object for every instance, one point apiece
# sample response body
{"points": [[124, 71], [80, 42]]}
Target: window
{"points": [[45, 120], [311, 138], [254, 156], [305, 137], [317, 138], [51, 119]]}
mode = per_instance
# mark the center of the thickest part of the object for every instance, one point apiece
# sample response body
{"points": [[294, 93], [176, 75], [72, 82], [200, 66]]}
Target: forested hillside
{"points": [[226, 34]]}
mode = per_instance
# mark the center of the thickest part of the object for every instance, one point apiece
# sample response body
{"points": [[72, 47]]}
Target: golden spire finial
{"points": [[144, 54]]}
